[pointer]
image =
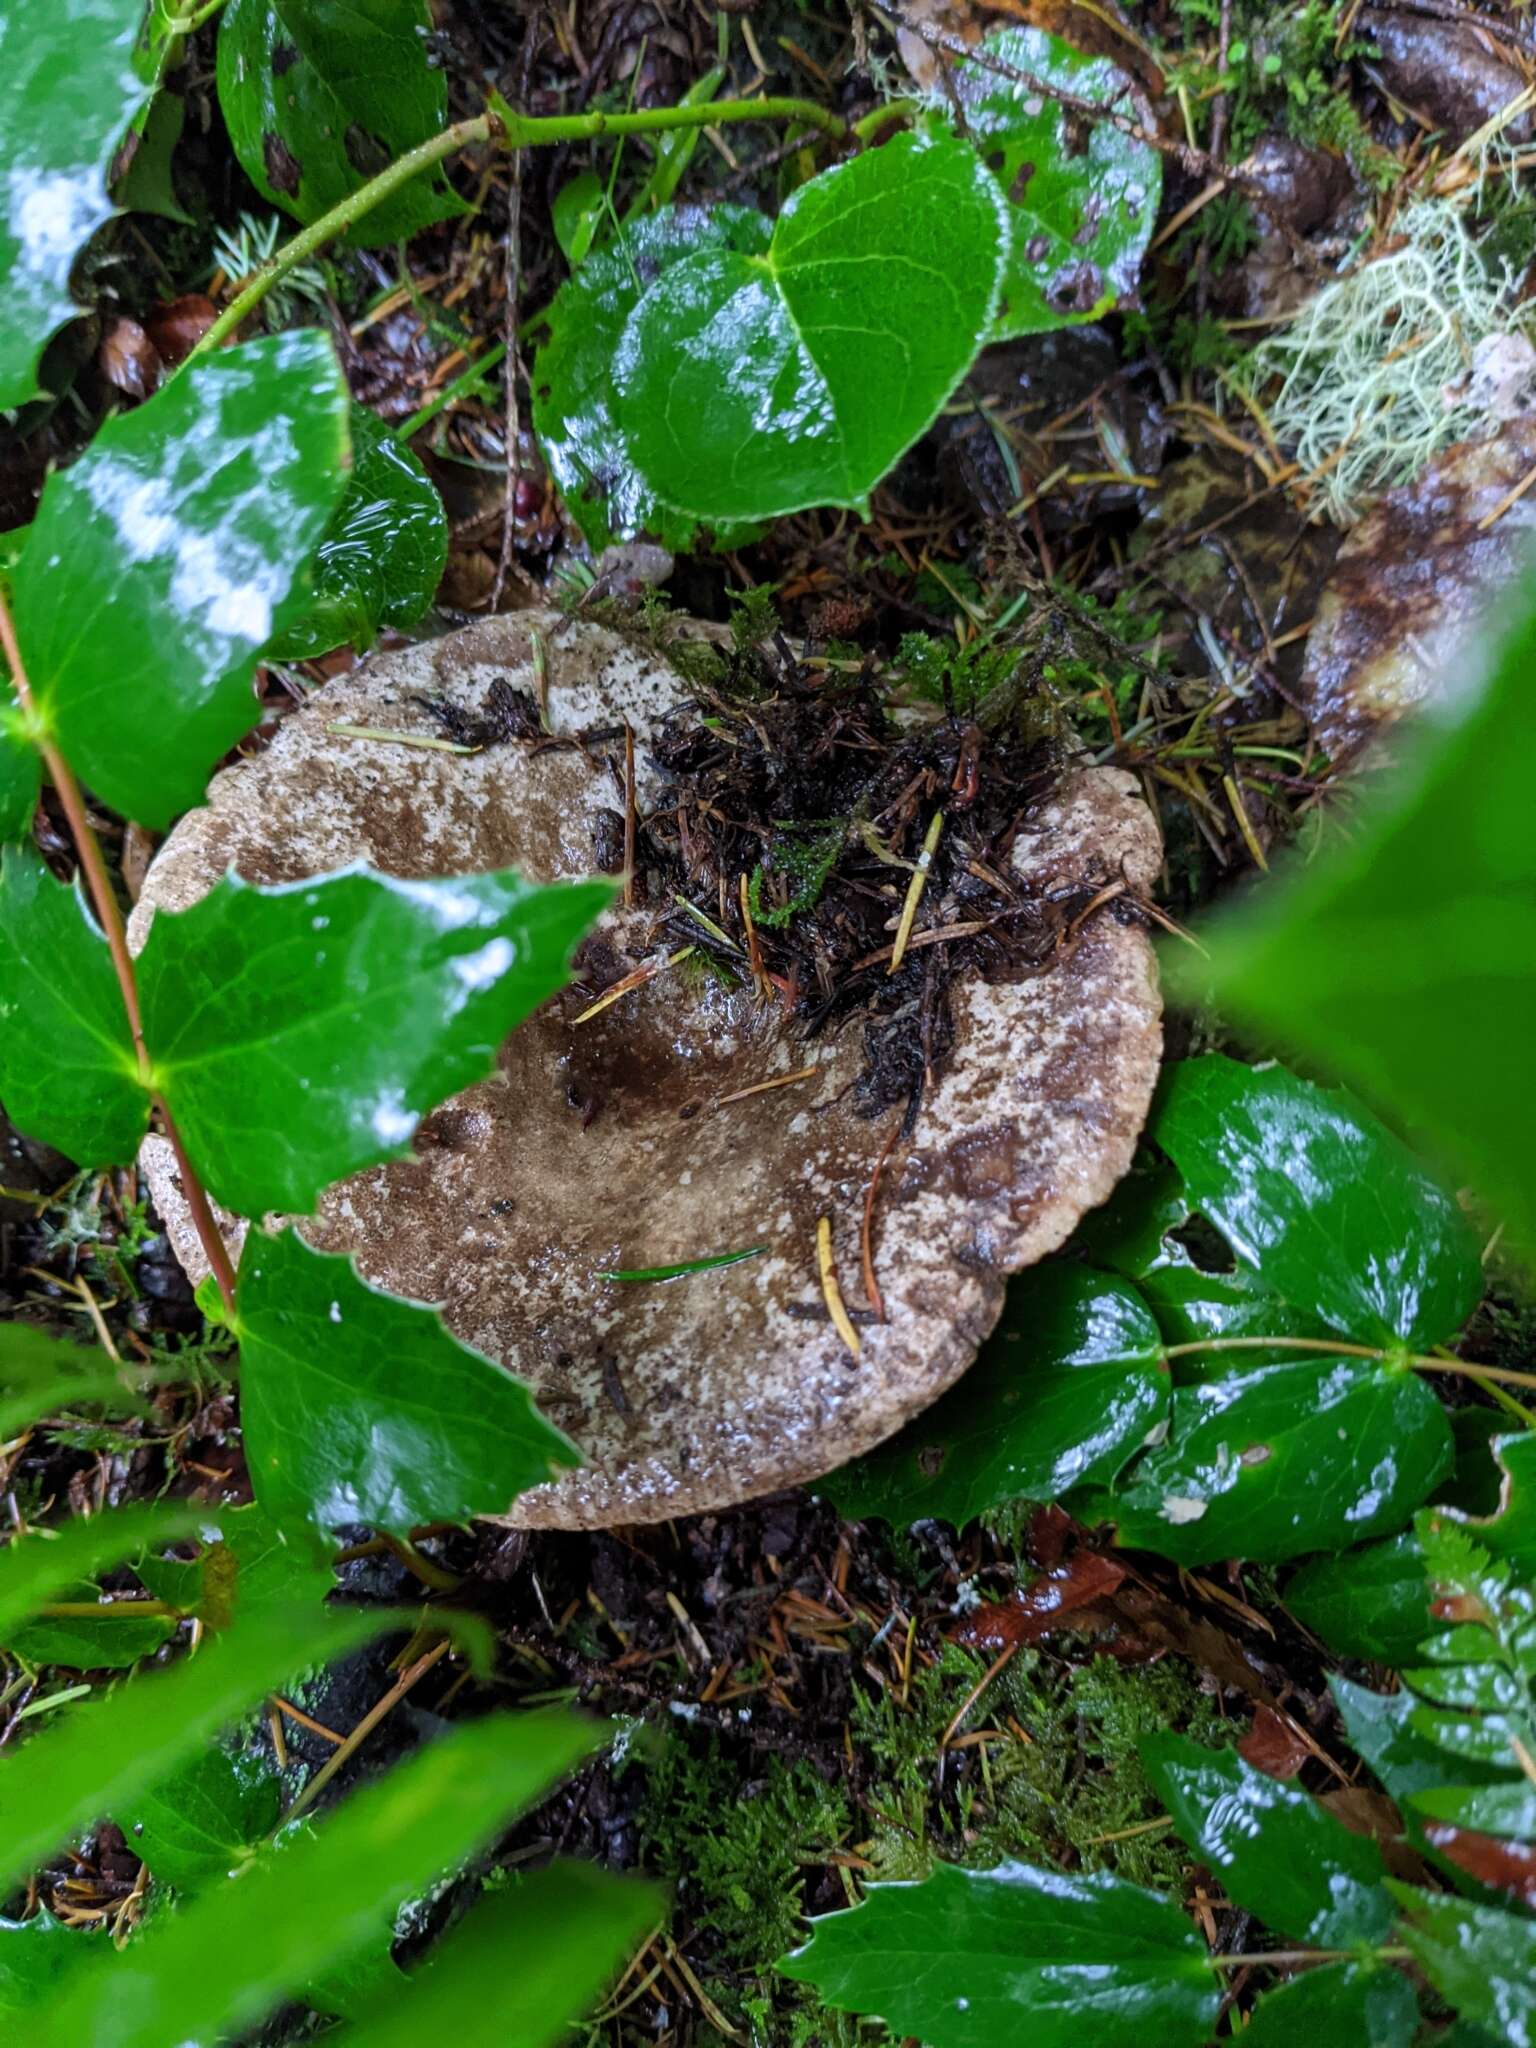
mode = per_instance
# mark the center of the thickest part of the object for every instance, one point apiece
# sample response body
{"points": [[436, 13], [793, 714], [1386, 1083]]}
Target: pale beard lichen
{"points": [[1390, 363]]}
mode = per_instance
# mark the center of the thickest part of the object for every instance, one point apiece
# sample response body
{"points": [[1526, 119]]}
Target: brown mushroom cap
{"points": [[703, 1391]]}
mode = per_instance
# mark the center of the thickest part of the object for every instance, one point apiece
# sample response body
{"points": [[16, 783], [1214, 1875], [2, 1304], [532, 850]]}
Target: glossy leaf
{"points": [[1320, 1199], [1192, 1306], [301, 1032], [160, 563], [319, 98], [207, 1819], [1379, 1727], [34, 1569], [1476, 1682], [1341, 2005], [1274, 1849], [575, 406], [21, 772], [971, 1958], [383, 554], [522, 1967], [68, 1071], [1130, 1232], [107, 1751], [1482, 1960], [68, 89], [34, 1955], [322, 1894], [359, 1407], [1403, 959], [1371, 1603], [1270, 1464], [756, 385], [1082, 195], [1374, 1602], [1064, 1391], [41, 1376]]}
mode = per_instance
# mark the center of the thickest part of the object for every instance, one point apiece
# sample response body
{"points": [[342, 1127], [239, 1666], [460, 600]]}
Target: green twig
{"points": [[1336, 1347], [532, 131], [345, 215], [884, 116], [510, 130]]}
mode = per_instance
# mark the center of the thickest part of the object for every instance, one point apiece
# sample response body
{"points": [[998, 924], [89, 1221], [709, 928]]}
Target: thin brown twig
{"points": [[368, 1723]]}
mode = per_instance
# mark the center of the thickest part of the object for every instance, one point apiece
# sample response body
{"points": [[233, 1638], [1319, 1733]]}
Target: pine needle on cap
{"points": [[831, 1292]]}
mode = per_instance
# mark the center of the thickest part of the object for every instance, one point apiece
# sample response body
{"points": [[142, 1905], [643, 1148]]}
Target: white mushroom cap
{"points": [[703, 1391]]}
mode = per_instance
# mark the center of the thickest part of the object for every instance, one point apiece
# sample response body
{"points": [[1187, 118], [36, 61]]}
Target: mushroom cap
{"points": [[702, 1391]]}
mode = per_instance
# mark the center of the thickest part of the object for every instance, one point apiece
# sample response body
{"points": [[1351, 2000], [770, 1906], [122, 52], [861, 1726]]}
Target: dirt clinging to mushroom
{"points": [[795, 800]]}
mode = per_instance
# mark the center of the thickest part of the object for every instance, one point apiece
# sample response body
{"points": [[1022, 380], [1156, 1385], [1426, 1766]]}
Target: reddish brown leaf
{"points": [[128, 359], [177, 326], [1506, 1866], [1037, 1608], [1272, 1745]]}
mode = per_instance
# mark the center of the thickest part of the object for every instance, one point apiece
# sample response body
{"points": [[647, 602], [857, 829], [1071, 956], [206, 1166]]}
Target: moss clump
{"points": [[738, 1850], [747, 1855], [1073, 1797]]}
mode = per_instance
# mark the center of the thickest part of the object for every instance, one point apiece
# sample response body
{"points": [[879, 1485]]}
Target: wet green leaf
{"points": [[1374, 1602], [68, 90], [383, 553], [1319, 1198], [1063, 1392], [34, 1955], [300, 1033], [1482, 1960], [1371, 1603], [108, 1751], [522, 1967], [41, 1376], [34, 1569], [160, 563], [752, 385], [1404, 959], [577, 211], [321, 1896], [114, 1642], [359, 1407], [1083, 196], [1130, 1233], [971, 1958], [1274, 1849], [21, 772], [207, 1819], [68, 1071], [253, 1565], [1377, 1725], [1273, 1463], [318, 99], [1341, 2005], [149, 185], [574, 403]]}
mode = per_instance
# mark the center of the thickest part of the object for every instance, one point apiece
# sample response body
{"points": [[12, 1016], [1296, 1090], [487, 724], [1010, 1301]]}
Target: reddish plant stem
{"points": [[94, 868]]}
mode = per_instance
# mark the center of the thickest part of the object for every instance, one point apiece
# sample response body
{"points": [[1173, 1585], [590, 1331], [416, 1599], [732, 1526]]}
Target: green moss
{"points": [[972, 678], [1066, 1798], [737, 1850]]}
